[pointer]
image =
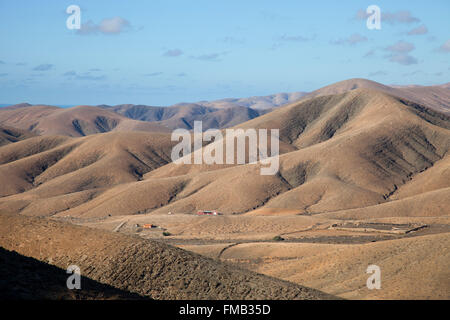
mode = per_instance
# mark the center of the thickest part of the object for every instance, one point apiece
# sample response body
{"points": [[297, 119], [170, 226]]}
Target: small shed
{"points": [[207, 213]]}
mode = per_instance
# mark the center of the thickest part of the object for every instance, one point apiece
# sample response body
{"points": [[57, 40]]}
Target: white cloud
{"points": [[112, 26], [399, 53], [402, 16], [232, 40], [370, 53], [153, 74], [43, 67], [418, 31], [377, 73], [401, 47], [210, 56], [445, 47], [351, 40], [173, 53], [398, 17], [297, 38], [83, 76], [403, 59]]}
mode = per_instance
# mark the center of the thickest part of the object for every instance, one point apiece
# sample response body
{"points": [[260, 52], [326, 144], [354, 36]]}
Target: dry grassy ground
{"points": [[135, 265], [414, 263]]}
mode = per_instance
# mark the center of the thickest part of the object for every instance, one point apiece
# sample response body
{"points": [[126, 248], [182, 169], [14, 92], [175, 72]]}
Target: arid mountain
{"points": [[16, 106], [434, 97], [387, 141], [73, 122], [348, 85], [360, 166], [222, 113], [348, 151], [257, 103], [183, 116], [225, 113]]}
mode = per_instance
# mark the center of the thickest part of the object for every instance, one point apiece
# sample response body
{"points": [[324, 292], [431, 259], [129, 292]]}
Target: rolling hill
{"points": [[256, 103], [224, 113], [434, 97], [79, 167], [183, 116], [74, 122], [10, 135], [348, 151]]}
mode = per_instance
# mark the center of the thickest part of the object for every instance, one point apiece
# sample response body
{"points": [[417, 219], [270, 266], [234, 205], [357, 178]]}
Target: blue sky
{"points": [[165, 52]]}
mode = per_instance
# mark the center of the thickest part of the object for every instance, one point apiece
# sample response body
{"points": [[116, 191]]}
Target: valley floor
{"points": [[327, 254]]}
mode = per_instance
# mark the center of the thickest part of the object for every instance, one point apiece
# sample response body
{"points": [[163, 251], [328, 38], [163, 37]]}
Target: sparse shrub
{"points": [[166, 234], [278, 238]]}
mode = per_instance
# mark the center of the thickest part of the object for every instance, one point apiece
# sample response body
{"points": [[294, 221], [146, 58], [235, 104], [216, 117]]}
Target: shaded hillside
{"points": [[149, 268], [183, 116], [152, 114], [257, 102], [24, 278], [79, 167], [10, 135]]}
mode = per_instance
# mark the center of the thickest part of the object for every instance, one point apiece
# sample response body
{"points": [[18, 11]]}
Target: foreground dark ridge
{"points": [[140, 266], [24, 278]]}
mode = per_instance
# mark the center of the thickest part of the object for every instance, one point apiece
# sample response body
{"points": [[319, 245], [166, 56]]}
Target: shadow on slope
{"points": [[24, 278]]}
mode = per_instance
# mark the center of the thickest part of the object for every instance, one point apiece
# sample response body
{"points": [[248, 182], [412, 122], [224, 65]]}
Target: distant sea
{"points": [[56, 105]]}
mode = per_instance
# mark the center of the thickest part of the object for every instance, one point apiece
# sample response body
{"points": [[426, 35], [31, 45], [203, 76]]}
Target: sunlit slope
{"points": [[347, 151]]}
